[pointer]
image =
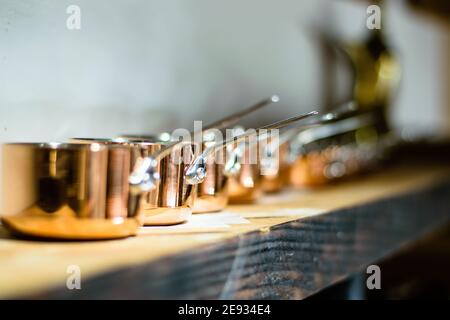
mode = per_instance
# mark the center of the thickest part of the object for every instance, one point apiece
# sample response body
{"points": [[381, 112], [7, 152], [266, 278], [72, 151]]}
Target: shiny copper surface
{"points": [[244, 172], [308, 170], [71, 191], [212, 193], [245, 186], [171, 199], [274, 180], [347, 154]]}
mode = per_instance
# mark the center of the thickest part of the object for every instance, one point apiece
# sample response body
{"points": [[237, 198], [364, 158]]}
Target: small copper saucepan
{"points": [[288, 152], [245, 183], [277, 159], [342, 144], [68, 191], [277, 173], [169, 199]]}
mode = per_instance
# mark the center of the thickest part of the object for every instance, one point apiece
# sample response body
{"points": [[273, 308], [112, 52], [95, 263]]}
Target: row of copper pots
{"points": [[107, 188]]}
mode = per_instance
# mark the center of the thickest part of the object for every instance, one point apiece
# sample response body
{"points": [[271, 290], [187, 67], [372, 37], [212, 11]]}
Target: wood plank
{"points": [[295, 244]]}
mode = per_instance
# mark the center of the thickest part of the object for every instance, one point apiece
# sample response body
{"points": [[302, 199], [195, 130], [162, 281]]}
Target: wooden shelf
{"points": [[286, 246]]}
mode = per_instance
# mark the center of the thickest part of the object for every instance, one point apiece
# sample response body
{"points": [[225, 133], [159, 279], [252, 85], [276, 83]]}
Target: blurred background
{"points": [[147, 66], [143, 66]]}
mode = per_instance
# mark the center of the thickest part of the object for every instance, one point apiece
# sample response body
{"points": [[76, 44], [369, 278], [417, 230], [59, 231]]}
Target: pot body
{"points": [[171, 201], [277, 175], [340, 155], [68, 191], [212, 193], [245, 185]]}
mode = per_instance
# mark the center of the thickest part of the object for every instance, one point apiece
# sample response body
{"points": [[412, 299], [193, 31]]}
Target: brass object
{"points": [[377, 72], [355, 136], [69, 191]]}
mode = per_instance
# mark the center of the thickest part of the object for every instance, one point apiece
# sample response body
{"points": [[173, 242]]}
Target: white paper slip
{"points": [[226, 217], [284, 212], [205, 222]]}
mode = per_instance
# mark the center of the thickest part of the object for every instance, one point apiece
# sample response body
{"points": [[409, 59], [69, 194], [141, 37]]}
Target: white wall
{"points": [[145, 65]]}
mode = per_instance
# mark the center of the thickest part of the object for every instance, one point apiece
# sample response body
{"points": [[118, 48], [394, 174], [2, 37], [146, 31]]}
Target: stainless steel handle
{"points": [[196, 172], [144, 176], [232, 119], [235, 117]]}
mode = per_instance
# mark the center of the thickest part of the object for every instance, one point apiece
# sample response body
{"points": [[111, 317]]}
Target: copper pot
{"points": [[212, 193], [276, 177], [340, 145], [69, 191], [170, 199], [245, 187]]}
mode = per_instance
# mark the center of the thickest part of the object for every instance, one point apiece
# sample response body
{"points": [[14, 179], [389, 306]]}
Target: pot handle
{"points": [[235, 117], [196, 172], [145, 175]]}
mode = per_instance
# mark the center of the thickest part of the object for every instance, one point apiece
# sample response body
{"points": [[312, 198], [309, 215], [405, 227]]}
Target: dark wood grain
{"points": [[290, 261]]}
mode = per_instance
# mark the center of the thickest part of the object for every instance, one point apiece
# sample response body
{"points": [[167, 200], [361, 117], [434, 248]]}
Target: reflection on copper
{"points": [[74, 192], [274, 180], [171, 200], [245, 186], [212, 193]]}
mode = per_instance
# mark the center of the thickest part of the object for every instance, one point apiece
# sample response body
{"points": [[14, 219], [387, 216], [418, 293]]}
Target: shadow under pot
{"points": [[167, 198], [69, 191]]}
